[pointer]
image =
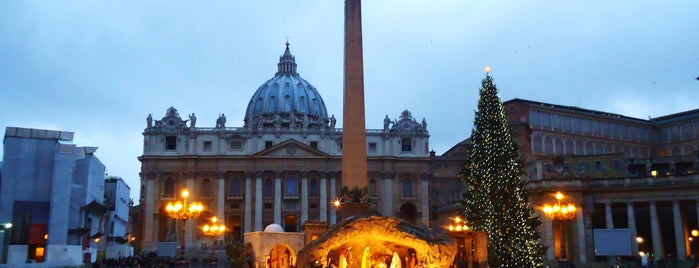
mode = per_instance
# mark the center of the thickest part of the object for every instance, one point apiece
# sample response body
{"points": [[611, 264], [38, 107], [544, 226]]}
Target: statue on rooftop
{"points": [[149, 121], [386, 122], [192, 120], [333, 121]]}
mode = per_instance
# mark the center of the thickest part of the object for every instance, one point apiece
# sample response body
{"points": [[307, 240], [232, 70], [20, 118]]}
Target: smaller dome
{"points": [[274, 228]]}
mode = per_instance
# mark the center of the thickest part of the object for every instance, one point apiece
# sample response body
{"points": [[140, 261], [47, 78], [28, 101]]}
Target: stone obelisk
{"points": [[354, 160]]}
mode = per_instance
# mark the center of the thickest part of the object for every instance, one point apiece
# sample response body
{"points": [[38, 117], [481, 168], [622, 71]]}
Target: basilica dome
{"points": [[286, 100]]}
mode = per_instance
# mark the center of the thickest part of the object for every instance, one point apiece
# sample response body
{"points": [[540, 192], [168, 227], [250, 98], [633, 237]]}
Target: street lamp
{"points": [[213, 230], [180, 210], [562, 213]]}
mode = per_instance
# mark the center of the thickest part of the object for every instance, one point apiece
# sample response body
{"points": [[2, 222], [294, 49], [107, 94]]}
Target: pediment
{"points": [[292, 149]]}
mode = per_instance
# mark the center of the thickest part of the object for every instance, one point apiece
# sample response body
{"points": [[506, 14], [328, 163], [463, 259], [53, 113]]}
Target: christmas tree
{"points": [[495, 200]]}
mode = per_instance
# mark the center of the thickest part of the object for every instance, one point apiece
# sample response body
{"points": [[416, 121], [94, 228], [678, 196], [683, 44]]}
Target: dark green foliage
{"points": [[495, 200]]}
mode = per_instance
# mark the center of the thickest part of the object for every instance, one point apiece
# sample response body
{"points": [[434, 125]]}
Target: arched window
{"points": [[206, 187], [559, 147], [313, 187], [538, 146], [408, 188], [291, 187], [588, 148], [569, 147], [372, 188], [579, 148], [169, 188], [548, 145], [235, 188], [269, 188]]}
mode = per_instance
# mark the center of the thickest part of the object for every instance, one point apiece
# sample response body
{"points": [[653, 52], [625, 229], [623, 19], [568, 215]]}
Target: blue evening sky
{"points": [[98, 68]]}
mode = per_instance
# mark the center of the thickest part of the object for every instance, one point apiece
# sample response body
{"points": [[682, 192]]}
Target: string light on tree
{"points": [[495, 200]]}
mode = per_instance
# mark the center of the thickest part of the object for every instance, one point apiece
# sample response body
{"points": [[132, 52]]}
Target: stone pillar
{"points": [[323, 206], [333, 194], [247, 221], [632, 228], [609, 220], [655, 230], [278, 198], [680, 240], [189, 233], [548, 238], [580, 230], [258, 202], [220, 206], [149, 234], [425, 200], [304, 198], [388, 195]]}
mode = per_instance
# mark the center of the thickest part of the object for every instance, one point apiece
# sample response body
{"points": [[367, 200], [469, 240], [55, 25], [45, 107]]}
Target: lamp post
{"points": [[457, 230], [213, 230], [561, 213], [181, 210]]}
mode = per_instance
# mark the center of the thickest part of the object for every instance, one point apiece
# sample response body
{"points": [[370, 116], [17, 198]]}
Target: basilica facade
{"points": [[282, 166]]}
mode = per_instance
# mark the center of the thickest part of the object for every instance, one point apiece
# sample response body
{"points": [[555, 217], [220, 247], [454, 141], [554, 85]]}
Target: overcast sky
{"points": [[98, 68]]}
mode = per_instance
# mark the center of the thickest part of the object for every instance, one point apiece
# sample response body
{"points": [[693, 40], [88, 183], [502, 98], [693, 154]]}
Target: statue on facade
{"points": [[192, 120], [149, 121], [333, 121], [386, 122], [424, 124], [277, 120], [221, 121], [305, 121]]}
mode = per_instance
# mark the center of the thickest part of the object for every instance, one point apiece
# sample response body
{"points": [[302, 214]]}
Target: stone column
{"points": [[333, 194], [323, 206], [258, 202], [149, 234], [304, 197], [609, 220], [680, 240], [655, 230], [189, 234], [247, 222], [425, 200], [580, 231], [632, 228], [221, 200], [547, 224], [388, 194], [278, 198]]}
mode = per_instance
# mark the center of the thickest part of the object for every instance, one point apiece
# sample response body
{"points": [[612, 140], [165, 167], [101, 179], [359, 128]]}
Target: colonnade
{"points": [[581, 245]]}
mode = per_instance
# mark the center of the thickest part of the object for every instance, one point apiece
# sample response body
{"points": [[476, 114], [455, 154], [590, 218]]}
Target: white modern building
{"points": [[117, 200]]}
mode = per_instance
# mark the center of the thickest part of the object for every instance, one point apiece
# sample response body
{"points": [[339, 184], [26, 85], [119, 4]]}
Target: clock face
{"points": [[171, 123]]}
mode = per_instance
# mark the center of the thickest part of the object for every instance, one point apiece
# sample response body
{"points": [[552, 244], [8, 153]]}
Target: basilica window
{"points": [[206, 188], [313, 187], [406, 145], [169, 188], [314, 145], [291, 187], [207, 146], [269, 188], [548, 145], [236, 145], [170, 143], [407, 185], [268, 144], [235, 188], [372, 147]]}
